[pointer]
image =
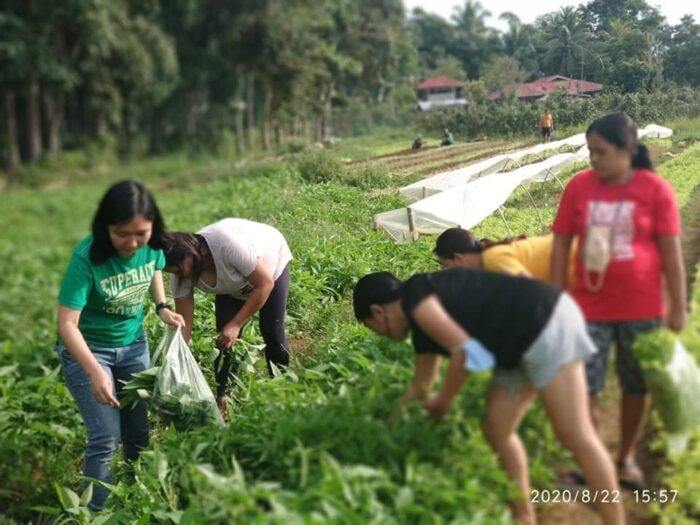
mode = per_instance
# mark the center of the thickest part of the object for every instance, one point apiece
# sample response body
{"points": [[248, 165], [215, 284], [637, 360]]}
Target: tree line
{"points": [[157, 75]]}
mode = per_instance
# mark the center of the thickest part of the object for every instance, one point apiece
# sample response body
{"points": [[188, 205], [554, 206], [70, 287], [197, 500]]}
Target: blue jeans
{"points": [[107, 426]]}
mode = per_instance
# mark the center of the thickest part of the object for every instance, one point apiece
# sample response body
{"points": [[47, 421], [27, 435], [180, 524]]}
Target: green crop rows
{"points": [[314, 446]]}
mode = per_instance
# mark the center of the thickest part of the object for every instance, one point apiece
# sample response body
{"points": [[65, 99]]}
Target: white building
{"points": [[440, 92]]}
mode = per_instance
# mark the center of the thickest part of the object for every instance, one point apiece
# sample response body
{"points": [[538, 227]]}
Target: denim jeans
{"points": [[107, 426]]}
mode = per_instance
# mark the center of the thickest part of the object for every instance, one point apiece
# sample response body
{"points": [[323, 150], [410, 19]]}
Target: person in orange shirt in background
{"points": [[546, 125]]}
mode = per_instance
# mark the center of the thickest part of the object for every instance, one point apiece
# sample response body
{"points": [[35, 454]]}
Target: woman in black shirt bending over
{"points": [[533, 335]]}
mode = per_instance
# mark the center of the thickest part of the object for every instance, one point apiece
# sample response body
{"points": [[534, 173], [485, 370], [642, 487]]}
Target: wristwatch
{"points": [[160, 306]]}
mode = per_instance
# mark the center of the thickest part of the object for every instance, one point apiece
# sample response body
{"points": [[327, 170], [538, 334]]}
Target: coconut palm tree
{"points": [[519, 42], [567, 35], [473, 37]]}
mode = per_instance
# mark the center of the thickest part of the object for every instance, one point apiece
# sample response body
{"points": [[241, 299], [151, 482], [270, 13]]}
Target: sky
{"points": [[528, 10]]}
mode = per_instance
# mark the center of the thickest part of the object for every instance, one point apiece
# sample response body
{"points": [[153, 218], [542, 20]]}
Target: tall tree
{"points": [[504, 74], [14, 54], [636, 12], [433, 37], [628, 57], [520, 42], [474, 39], [682, 60], [567, 36]]}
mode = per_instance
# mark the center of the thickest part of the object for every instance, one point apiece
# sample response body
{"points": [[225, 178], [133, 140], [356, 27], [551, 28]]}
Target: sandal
{"points": [[572, 479], [629, 474]]}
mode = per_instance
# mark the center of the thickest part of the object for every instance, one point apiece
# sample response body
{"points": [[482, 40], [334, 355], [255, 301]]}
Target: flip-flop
{"points": [[571, 479], [629, 474]]}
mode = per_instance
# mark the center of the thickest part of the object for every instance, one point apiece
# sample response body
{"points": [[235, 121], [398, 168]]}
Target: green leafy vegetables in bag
{"points": [[177, 389]]}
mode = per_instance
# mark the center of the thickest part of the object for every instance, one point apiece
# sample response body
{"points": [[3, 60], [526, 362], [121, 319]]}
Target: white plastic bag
{"points": [[685, 374], [673, 379], [181, 394]]}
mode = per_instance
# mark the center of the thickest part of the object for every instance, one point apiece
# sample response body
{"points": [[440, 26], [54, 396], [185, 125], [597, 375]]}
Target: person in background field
{"points": [[447, 138], [627, 222], [417, 143], [524, 256], [100, 317], [546, 125], [246, 265], [537, 349]]}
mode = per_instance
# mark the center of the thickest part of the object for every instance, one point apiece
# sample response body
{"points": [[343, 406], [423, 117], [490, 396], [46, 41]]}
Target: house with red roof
{"points": [[541, 88], [440, 92]]}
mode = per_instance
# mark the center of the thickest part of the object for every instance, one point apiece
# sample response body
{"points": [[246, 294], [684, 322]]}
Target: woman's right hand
{"points": [[172, 318], [103, 388]]}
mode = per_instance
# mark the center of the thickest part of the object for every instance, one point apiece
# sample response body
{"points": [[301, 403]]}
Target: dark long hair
{"points": [[620, 130], [180, 245], [456, 240], [122, 202], [374, 288]]}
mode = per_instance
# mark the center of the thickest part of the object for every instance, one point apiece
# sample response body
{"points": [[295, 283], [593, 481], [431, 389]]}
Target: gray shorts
{"points": [[564, 339], [629, 372]]}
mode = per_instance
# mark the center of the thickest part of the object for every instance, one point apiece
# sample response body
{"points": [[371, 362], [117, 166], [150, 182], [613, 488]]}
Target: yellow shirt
{"points": [[546, 121], [531, 256]]}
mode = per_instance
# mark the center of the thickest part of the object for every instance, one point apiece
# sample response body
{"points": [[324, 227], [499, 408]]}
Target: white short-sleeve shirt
{"points": [[236, 245]]}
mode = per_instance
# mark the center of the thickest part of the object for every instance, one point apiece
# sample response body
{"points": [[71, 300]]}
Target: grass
{"points": [[313, 447], [380, 142], [327, 419]]}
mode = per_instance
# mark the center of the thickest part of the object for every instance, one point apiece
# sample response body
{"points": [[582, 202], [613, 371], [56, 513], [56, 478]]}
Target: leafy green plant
{"points": [[319, 165], [312, 446], [654, 352], [519, 118]]}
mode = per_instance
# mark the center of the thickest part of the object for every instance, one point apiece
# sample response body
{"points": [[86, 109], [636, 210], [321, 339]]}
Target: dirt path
{"points": [[434, 160], [582, 514]]}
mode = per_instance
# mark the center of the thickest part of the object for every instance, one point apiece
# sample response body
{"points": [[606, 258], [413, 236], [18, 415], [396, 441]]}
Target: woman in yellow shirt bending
{"points": [[524, 256]]}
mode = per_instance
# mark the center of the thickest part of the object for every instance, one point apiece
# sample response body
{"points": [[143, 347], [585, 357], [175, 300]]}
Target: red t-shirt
{"points": [[645, 209]]}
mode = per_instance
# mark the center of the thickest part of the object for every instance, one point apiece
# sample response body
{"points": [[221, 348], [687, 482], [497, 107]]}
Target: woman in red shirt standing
{"points": [[626, 219]]}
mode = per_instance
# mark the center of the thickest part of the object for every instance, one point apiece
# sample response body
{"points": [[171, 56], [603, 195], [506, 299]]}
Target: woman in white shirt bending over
{"points": [[246, 265]]}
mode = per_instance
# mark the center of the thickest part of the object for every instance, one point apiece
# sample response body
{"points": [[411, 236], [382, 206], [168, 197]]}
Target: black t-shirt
{"points": [[505, 313]]}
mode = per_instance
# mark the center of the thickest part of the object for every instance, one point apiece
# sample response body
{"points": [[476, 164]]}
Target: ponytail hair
{"points": [[642, 158], [456, 240], [490, 243]]}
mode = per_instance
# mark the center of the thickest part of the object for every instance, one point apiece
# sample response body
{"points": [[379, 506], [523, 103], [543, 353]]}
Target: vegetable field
{"points": [[314, 446]]}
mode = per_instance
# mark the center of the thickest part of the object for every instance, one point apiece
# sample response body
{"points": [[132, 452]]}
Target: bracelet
{"points": [[160, 306]]}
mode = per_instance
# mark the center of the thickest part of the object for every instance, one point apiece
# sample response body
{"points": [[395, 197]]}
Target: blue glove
{"points": [[476, 357]]}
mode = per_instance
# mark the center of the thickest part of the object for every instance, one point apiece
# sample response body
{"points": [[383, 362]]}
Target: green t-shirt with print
{"points": [[110, 296]]}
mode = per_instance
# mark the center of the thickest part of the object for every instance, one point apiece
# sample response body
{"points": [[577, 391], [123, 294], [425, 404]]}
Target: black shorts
{"points": [[546, 132]]}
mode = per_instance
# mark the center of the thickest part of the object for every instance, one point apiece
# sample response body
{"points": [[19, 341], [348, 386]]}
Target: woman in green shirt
{"points": [[100, 317]]}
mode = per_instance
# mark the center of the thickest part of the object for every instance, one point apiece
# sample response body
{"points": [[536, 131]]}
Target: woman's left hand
{"points": [[171, 318], [676, 319], [437, 408]]}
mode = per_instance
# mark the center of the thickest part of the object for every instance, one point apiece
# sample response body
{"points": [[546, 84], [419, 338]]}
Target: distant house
{"points": [[541, 88], [440, 92]]}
